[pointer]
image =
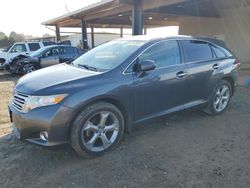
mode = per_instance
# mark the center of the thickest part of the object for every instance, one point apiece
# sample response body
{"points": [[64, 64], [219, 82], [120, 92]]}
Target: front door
{"points": [[51, 57], [162, 90]]}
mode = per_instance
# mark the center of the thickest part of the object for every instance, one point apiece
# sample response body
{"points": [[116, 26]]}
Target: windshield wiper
{"points": [[88, 67]]}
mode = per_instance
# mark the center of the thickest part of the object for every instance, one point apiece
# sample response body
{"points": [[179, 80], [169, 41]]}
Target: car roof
{"points": [[153, 38], [53, 46], [148, 38]]}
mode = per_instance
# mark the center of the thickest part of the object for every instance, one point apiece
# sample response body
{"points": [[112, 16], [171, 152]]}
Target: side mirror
{"points": [[146, 65]]}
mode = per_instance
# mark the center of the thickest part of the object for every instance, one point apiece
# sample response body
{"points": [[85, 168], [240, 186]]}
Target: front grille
{"points": [[19, 101]]}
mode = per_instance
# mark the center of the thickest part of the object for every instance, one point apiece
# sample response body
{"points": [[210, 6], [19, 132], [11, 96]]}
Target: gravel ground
{"points": [[187, 149]]}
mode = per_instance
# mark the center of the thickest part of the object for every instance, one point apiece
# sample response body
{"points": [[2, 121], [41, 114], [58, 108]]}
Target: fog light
{"points": [[44, 136]]}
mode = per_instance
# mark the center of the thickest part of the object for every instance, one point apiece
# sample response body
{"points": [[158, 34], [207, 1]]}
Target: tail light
{"points": [[237, 63]]}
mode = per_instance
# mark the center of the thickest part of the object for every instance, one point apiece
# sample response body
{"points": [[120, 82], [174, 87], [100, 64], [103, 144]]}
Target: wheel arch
{"points": [[2, 59], [232, 83], [115, 102]]}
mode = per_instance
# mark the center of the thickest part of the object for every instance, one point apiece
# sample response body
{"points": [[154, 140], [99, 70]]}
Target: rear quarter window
{"points": [[34, 46], [196, 51], [219, 54]]}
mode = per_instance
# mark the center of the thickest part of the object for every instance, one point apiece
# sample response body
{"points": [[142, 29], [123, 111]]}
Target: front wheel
{"points": [[28, 68], [2, 61], [97, 129], [220, 98]]}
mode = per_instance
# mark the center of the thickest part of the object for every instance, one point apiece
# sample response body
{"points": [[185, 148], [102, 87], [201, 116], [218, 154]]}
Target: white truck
{"points": [[24, 48]]}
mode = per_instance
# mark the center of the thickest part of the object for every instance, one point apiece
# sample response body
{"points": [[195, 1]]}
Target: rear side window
{"points": [[163, 54], [34, 46], [48, 43], [218, 52], [195, 51], [68, 51]]}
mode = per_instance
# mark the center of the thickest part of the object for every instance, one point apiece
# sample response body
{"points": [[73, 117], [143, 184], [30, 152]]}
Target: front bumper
{"points": [[55, 120], [13, 68]]}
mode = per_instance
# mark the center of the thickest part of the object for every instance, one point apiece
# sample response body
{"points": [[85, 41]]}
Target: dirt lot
{"points": [[188, 149]]}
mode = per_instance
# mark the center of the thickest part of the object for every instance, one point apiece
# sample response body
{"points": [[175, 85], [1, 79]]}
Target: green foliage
{"points": [[2, 35], [46, 35], [6, 41]]}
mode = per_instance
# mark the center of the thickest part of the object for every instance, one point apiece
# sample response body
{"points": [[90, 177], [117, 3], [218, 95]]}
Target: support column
{"points": [[92, 37], [145, 31], [137, 17], [121, 31], [84, 34], [58, 37]]}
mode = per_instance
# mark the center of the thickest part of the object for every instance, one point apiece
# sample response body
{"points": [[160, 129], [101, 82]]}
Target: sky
{"points": [[26, 16]]}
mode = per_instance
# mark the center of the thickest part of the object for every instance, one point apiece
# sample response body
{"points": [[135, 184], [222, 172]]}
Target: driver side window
{"points": [[164, 54], [51, 52]]}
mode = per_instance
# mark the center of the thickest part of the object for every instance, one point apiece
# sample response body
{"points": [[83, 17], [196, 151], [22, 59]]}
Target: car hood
{"points": [[22, 58], [4, 55], [53, 80], [29, 59]]}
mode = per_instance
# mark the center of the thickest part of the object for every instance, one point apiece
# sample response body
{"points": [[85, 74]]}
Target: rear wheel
{"points": [[220, 99], [97, 129]]}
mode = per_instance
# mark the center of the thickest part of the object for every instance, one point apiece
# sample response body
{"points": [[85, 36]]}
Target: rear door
{"points": [[202, 70], [162, 90], [68, 53], [50, 57]]}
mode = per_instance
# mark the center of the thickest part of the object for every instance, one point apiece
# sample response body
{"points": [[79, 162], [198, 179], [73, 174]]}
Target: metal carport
{"points": [[126, 13], [224, 19]]}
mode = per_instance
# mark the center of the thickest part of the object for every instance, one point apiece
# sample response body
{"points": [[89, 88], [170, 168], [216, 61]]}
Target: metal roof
{"points": [[117, 13]]}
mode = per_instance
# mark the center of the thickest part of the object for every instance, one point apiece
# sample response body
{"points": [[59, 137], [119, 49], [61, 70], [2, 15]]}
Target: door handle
{"points": [[181, 74], [215, 66]]}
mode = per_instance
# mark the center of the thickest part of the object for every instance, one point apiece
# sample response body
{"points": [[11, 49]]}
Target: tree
{"points": [[2, 35], [46, 35], [6, 41], [16, 37]]}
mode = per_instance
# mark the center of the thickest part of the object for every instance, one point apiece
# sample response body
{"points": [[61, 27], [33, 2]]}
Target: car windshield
{"points": [[108, 56]]}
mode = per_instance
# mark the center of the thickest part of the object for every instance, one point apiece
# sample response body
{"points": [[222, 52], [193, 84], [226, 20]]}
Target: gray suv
{"points": [[93, 101]]}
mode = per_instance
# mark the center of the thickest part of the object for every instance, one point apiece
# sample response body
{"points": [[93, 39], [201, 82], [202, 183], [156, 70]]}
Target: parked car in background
{"points": [[91, 102], [21, 48], [44, 57]]}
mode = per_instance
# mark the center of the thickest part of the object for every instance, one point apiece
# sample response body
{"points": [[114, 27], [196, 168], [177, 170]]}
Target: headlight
{"points": [[39, 101]]}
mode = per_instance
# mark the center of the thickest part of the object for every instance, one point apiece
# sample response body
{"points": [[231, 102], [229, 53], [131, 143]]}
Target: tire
{"points": [[2, 61], [28, 68], [88, 130], [220, 98]]}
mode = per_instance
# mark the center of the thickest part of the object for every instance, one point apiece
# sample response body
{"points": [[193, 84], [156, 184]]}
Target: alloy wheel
{"points": [[28, 68], [221, 98], [100, 131]]}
